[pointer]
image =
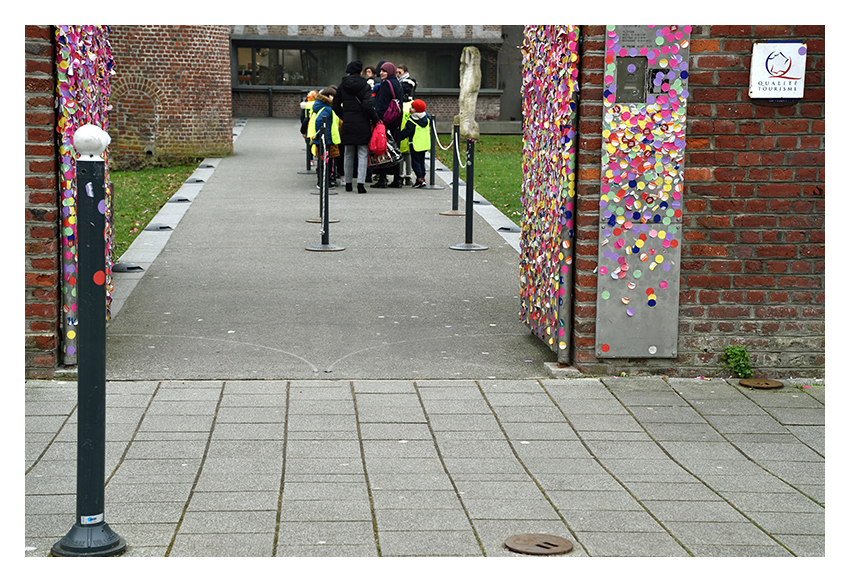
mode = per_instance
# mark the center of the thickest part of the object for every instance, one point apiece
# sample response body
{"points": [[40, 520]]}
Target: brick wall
{"points": [[753, 254], [170, 94], [41, 194]]}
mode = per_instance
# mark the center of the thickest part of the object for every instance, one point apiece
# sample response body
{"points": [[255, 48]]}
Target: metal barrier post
{"points": [[305, 113], [468, 245], [455, 173], [91, 535], [323, 197], [433, 169]]}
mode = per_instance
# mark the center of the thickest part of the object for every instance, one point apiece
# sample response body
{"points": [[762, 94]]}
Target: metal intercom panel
{"points": [[641, 191]]}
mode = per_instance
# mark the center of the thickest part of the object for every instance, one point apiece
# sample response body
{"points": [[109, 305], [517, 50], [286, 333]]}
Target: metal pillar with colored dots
{"points": [[642, 185], [550, 103], [90, 535]]}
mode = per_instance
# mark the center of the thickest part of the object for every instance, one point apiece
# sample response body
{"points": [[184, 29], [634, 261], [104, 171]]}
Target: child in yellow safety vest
{"points": [[418, 131], [323, 115]]}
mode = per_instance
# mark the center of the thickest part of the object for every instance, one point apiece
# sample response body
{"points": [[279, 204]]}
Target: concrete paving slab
{"points": [[390, 402]]}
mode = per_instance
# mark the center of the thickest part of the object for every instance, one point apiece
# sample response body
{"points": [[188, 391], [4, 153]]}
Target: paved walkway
{"points": [[247, 436]]}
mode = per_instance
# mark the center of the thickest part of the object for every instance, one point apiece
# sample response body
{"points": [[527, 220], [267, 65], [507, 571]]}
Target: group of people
{"points": [[350, 111]]}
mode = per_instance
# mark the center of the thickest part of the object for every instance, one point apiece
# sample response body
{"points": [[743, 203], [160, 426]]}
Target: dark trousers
{"points": [[417, 160]]}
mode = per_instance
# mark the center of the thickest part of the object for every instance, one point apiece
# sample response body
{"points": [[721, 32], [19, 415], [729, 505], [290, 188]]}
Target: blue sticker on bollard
{"points": [[91, 519]]}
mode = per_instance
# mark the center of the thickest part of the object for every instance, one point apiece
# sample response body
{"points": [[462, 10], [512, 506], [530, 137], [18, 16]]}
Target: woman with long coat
{"points": [[389, 89], [354, 106]]}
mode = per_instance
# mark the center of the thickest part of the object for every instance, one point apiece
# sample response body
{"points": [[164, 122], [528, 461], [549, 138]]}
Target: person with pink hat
{"points": [[389, 91]]}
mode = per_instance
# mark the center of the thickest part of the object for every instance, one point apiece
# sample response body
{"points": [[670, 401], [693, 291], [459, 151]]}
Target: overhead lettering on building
{"points": [[459, 31]]}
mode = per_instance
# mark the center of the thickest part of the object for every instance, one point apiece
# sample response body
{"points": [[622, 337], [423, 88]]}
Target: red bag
{"points": [[378, 143]]}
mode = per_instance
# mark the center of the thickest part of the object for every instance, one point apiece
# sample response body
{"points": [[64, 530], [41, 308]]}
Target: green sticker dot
{"points": [[605, 295]]}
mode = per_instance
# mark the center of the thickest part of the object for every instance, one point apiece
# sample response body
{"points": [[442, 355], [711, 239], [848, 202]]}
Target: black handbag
{"points": [[389, 158]]}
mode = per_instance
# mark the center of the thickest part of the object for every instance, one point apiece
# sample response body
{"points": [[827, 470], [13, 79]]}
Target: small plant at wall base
{"points": [[737, 359]]}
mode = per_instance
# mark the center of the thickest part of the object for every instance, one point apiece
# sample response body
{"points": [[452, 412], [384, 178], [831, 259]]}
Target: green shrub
{"points": [[737, 359]]}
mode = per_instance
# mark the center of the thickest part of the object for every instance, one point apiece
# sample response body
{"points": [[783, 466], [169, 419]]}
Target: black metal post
{"points": [[307, 170], [468, 245], [433, 171], [271, 103], [306, 114], [323, 207], [455, 173], [90, 535], [324, 191]]}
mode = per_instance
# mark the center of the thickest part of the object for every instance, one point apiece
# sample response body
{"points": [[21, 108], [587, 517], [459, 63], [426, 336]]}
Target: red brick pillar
{"points": [[591, 67], [41, 212]]}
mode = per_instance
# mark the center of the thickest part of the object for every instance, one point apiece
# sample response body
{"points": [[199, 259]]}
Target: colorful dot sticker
{"points": [[641, 184], [550, 83], [84, 66]]}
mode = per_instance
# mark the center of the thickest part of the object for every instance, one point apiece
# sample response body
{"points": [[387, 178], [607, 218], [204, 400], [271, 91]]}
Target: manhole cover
{"points": [[538, 544], [760, 383]]}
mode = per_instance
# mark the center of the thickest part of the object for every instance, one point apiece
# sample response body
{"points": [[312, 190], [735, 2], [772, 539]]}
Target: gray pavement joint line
{"points": [[282, 475], [526, 469], [135, 432], [615, 477], [767, 412], [448, 474], [198, 474], [748, 457], [365, 471], [52, 440], [692, 473]]}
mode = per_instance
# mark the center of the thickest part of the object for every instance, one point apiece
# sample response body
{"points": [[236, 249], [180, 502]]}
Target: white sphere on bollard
{"points": [[90, 140]]}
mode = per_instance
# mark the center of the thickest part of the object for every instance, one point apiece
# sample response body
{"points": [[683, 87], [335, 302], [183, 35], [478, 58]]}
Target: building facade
{"points": [[273, 67], [752, 256]]}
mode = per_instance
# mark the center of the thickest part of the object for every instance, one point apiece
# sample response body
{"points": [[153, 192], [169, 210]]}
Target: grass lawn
{"points": [[138, 196], [498, 170]]}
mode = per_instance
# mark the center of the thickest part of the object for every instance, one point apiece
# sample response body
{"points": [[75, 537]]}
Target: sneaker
{"points": [[407, 181], [420, 183]]}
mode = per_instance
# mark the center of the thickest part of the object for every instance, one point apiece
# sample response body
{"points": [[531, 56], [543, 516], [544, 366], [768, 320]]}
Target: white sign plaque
{"points": [[778, 70]]}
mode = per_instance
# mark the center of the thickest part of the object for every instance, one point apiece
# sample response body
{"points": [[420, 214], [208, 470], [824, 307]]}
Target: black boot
{"points": [[381, 183], [348, 187], [361, 189]]}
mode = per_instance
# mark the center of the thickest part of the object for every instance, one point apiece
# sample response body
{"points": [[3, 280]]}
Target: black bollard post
{"points": [[306, 114], [433, 171], [468, 245], [455, 173], [324, 188], [307, 170], [271, 103], [91, 535]]}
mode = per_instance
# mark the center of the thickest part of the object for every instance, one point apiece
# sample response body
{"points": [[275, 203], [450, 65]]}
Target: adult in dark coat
{"points": [[383, 96], [353, 104]]}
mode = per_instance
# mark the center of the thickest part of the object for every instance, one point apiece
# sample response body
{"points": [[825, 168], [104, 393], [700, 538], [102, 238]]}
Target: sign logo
{"points": [[778, 65], [778, 70]]}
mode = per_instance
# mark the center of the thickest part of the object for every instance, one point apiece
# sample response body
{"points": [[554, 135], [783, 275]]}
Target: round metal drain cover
{"points": [[538, 544], [760, 383]]}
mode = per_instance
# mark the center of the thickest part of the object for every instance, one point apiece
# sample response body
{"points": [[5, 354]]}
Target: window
{"points": [[322, 64], [277, 66]]}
